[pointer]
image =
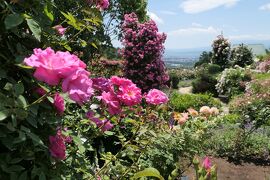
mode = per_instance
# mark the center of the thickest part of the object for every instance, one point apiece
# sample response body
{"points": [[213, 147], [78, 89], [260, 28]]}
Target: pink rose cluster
{"points": [[54, 67], [143, 49], [117, 92], [57, 145]]}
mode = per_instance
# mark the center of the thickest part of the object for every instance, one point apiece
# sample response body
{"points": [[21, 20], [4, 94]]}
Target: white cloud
{"points": [[265, 7], [196, 24], [260, 37], [197, 6], [194, 31], [191, 37], [168, 12], [155, 17]]}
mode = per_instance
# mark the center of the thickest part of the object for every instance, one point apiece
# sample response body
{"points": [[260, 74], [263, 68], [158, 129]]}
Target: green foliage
{"points": [[172, 153], [241, 56], [181, 102], [206, 79], [230, 141], [205, 58], [174, 80]]}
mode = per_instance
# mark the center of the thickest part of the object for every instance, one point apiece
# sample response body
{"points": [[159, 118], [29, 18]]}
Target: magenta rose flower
{"points": [[101, 84], [60, 29], [156, 97], [207, 163], [103, 4], [130, 95], [112, 102], [78, 86], [51, 66], [59, 103], [115, 80], [57, 146]]}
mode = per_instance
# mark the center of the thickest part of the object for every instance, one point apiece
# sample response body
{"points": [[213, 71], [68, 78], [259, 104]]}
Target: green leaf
{"points": [[35, 138], [94, 45], [22, 101], [13, 20], [4, 114], [24, 66], [14, 168], [109, 133], [23, 176], [42, 176], [77, 140], [35, 28], [148, 172], [19, 89], [48, 12]]}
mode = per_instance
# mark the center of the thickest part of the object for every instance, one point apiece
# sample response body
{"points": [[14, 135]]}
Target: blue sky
{"points": [[195, 23]]}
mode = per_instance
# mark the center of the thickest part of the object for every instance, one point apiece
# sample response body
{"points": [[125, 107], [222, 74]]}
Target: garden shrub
{"points": [[221, 51], [241, 56], [143, 48], [174, 80], [182, 102], [232, 81], [206, 79]]}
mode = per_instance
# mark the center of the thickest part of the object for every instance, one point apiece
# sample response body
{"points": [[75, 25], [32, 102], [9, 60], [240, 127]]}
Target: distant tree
{"points": [[204, 58], [241, 56]]}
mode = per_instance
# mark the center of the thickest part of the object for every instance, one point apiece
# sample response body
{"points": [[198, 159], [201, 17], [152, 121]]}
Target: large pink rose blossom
{"points": [[79, 86], [105, 125], [60, 29], [115, 80], [51, 66], [112, 102], [156, 97], [59, 103], [130, 95]]}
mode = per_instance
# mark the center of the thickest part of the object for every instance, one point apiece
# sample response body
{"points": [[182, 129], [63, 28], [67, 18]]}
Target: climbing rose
{"points": [[57, 146], [51, 66], [156, 97], [60, 29], [214, 111], [112, 102], [79, 86], [59, 103], [105, 125]]}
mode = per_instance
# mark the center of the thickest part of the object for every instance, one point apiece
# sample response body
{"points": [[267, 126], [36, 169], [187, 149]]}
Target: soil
{"points": [[229, 170]]}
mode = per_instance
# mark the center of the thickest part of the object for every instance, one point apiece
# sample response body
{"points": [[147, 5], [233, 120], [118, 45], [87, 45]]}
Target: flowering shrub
{"points": [[233, 81], [143, 50], [221, 51], [241, 56]]}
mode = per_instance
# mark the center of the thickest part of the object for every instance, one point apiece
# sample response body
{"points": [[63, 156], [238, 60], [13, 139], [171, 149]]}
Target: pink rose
{"points": [[57, 146], [101, 84], [59, 103], [103, 4], [79, 86], [60, 29], [120, 81], [51, 66], [112, 102], [40, 91], [207, 163], [130, 95], [156, 97]]}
